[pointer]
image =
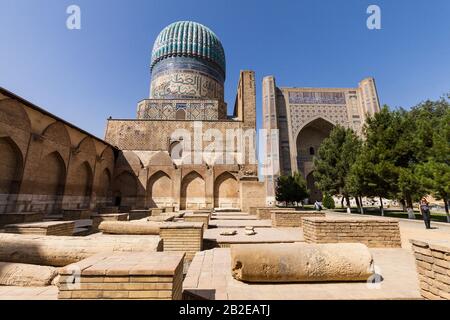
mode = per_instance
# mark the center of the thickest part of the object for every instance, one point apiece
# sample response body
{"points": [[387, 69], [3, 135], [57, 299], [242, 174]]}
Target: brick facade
{"points": [[375, 233], [292, 218], [433, 268]]}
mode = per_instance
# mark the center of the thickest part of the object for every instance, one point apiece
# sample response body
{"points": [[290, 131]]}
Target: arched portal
{"points": [[83, 187], [125, 189], [226, 191], [104, 184], [308, 142], [192, 192], [50, 180], [11, 168], [159, 190]]}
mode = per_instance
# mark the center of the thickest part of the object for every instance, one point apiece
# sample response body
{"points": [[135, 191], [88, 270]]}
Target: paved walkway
{"points": [[209, 274]]}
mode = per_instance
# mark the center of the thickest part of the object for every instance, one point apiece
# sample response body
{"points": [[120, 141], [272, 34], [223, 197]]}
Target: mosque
{"points": [[170, 154]]}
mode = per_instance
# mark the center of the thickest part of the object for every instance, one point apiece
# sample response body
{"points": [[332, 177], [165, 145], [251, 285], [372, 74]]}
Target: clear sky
{"points": [[102, 70]]}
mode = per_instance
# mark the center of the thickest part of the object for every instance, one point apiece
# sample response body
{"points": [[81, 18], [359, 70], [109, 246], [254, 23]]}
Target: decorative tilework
{"points": [[303, 114], [162, 109]]}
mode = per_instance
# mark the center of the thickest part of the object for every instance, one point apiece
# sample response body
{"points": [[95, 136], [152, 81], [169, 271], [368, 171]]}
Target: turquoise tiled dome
{"points": [[189, 39]]}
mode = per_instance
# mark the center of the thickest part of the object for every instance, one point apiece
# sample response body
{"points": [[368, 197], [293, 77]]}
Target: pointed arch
{"points": [[11, 166], [307, 144], [125, 189], [160, 190], [85, 178], [50, 181], [87, 145], [226, 191], [193, 191], [57, 133], [312, 120], [104, 184]]}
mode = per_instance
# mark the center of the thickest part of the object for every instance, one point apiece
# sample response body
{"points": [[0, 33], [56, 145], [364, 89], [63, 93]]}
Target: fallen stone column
{"points": [[60, 250], [301, 262], [26, 275], [125, 227]]}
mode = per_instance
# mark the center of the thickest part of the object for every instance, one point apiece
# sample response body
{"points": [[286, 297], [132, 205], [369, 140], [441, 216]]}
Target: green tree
{"points": [[292, 188], [328, 201], [333, 162], [385, 166], [433, 133]]}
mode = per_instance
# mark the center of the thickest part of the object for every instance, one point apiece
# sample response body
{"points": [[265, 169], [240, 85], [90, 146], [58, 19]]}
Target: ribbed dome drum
{"points": [[188, 61], [188, 39]]}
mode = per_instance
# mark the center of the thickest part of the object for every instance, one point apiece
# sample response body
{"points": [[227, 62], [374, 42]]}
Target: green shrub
{"points": [[328, 201]]}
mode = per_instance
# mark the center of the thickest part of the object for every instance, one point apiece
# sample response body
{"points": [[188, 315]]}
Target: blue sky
{"points": [[102, 70]]}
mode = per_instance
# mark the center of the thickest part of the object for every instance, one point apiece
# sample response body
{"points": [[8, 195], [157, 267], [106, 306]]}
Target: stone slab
{"points": [[233, 217], [213, 238], [20, 217], [126, 275], [240, 223], [76, 214], [209, 276], [49, 228]]}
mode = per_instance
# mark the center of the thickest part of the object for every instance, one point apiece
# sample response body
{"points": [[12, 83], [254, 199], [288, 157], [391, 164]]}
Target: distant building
{"points": [[303, 118], [156, 165], [159, 159]]}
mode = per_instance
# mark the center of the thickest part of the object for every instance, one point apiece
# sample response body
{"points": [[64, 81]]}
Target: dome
{"points": [[188, 39]]}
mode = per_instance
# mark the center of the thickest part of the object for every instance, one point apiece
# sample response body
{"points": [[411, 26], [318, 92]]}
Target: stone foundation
{"points": [[108, 210], [98, 218], [76, 214], [139, 214], [265, 213], [198, 217], [26, 275], [135, 275], [375, 233], [157, 211], [59, 251], [46, 228], [20, 217], [433, 268], [182, 236], [287, 218]]}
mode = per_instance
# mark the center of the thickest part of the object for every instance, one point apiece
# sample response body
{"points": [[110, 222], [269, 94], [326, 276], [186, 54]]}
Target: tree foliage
{"points": [[291, 188], [334, 160], [328, 201], [405, 154]]}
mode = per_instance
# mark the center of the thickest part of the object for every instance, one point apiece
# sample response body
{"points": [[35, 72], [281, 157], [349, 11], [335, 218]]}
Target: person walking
{"points": [[425, 209]]}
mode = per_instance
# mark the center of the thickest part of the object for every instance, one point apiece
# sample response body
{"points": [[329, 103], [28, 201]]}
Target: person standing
{"points": [[425, 209]]}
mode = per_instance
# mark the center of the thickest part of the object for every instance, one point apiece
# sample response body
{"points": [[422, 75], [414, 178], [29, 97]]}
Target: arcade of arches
{"points": [[48, 164]]}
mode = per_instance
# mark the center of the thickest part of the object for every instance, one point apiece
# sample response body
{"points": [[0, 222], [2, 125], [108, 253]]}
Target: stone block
{"points": [[376, 233], [20, 217], [130, 275]]}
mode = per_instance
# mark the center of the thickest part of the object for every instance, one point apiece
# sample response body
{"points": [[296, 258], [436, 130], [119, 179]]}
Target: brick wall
{"points": [[433, 268], [159, 276], [286, 218], [266, 212], [375, 233], [252, 194], [198, 217], [182, 236], [48, 164]]}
